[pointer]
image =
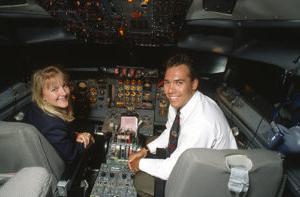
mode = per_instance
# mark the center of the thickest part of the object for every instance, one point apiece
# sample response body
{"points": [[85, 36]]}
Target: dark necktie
{"points": [[174, 133]]}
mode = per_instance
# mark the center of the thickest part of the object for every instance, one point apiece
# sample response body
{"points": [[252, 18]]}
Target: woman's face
{"points": [[56, 92]]}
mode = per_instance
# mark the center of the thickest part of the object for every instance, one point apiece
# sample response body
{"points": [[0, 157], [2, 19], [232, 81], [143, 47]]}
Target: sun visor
{"points": [[208, 63], [209, 43]]}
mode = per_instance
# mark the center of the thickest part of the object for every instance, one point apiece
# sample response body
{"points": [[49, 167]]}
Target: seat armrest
{"points": [[5, 177], [29, 181], [70, 175]]}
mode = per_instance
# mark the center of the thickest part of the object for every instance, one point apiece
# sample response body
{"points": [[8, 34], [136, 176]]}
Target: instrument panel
{"points": [[120, 89]]}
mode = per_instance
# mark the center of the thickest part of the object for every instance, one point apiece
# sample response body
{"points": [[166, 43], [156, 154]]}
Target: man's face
{"points": [[178, 85]]}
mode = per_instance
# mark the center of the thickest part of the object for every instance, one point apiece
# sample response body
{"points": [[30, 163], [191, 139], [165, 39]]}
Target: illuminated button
{"points": [[92, 99], [132, 99], [147, 84], [120, 88], [132, 73], [127, 93], [139, 99], [124, 71], [120, 103], [121, 31], [147, 96], [139, 88], [127, 87], [136, 14], [116, 72], [82, 85], [133, 82], [132, 94], [120, 94], [139, 82], [93, 91], [127, 82], [133, 88]]}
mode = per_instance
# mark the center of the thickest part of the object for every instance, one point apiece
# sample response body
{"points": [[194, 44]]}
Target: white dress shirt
{"points": [[202, 125]]}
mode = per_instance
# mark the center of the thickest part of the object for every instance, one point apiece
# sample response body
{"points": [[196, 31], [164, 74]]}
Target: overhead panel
{"points": [[129, 22]]}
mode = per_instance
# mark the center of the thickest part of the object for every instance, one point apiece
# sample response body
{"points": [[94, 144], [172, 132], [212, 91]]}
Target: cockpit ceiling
{"points": [[145, 22], [130, 22]]}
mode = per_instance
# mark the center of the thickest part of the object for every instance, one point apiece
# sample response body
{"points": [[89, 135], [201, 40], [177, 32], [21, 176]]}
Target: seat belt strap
{"points": [[238, 180]]}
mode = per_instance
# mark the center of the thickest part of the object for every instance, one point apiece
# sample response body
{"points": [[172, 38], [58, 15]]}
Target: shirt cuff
{"points": [[151, 166], [144, 165], [151, 148]]}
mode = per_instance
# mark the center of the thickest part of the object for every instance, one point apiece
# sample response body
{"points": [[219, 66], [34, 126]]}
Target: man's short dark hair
{"points": [[180, 59]]}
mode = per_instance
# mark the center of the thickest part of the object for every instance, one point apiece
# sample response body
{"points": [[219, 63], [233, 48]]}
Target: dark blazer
{"points": [[58, 132]]}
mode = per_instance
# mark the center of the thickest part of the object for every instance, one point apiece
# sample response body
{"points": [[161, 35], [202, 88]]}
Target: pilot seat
{"points": [[214, 173], [28, 182], [22, 145]]}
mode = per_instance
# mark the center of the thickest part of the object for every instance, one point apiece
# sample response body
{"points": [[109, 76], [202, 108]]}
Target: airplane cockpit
{"points": [[246, 56]]}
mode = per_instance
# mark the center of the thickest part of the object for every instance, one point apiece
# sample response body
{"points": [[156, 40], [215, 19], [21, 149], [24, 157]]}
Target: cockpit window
{"points": [[223, 6], [12, 2]]}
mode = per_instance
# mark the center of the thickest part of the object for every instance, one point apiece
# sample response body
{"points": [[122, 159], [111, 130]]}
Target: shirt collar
{"points": [[188, 107]]}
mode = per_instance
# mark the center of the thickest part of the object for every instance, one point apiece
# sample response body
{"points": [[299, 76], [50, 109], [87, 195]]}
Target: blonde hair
{"points": [[39, 79]]}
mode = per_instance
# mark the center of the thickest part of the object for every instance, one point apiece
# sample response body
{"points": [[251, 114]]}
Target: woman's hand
{"points": [[86, 138]]}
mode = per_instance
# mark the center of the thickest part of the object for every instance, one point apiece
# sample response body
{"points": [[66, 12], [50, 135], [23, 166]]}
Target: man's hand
{"points": [[134, 165], [86, 138], [134, 160]]}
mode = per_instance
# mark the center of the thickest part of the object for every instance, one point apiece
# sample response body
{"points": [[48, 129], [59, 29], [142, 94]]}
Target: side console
{"points": [[253, 126]]}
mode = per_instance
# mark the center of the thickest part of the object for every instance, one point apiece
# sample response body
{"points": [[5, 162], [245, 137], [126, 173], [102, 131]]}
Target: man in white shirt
{"points": [[202, 123]]}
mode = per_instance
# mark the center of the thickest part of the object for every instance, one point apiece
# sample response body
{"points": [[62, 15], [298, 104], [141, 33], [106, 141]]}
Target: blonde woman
{"points": [[51, 113]]}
